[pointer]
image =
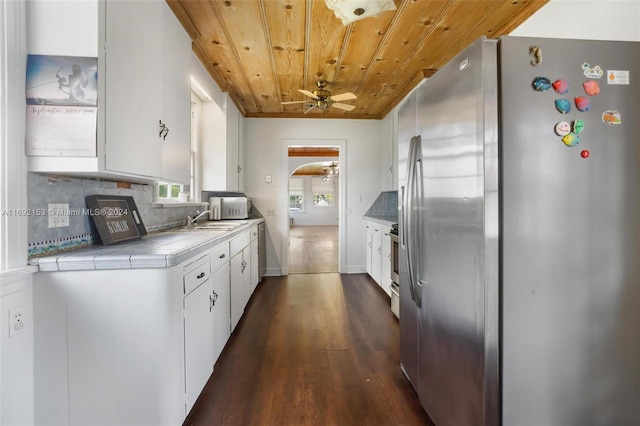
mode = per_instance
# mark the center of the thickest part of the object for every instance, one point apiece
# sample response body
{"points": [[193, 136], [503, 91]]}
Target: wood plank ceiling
{"points": [[262, 51]]}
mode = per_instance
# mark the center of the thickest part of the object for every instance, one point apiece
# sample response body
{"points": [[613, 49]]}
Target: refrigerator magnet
{"points": [[541, 84], [583, 103], [578, 126], [585, 153], [611, 117], [591, 87], [563, 105], [562, 128], [618, 77], [561, 86], [592, 72], [571, 139]]}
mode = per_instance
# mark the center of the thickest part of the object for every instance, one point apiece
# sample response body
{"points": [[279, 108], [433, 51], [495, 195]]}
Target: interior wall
{"points": [[317, 215], [360, 169], [585, 19]]}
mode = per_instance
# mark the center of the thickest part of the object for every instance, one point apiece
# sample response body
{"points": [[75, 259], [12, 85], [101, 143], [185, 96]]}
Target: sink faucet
{"points": [[193, 219]]}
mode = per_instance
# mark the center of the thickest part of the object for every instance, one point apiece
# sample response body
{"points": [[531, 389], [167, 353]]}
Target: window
{"points": [[170, 191], [296, 193], [322, 191]]}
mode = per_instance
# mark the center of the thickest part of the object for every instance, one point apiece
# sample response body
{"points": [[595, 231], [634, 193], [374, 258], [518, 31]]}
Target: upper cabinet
{"points": [[144, 57], [221, 147], [148, 102]]}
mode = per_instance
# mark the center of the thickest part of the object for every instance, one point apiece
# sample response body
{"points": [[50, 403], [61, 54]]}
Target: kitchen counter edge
{"points": [[152, 251]]}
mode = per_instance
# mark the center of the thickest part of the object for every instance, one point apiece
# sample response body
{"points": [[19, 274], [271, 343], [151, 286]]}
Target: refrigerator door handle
{"points": [[409, 195]]}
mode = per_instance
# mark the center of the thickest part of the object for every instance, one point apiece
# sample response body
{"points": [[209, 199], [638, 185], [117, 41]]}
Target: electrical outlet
{"points": [[16, 321], [58, 215], [271, 212]]}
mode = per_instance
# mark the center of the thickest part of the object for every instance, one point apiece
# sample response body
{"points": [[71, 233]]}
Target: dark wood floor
{"points": [[312, 349], [313, 249]]}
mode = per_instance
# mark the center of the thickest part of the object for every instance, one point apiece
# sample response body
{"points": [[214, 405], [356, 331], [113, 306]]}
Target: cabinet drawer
{"points": [[219, 257], [196, 273], [240, 242]]}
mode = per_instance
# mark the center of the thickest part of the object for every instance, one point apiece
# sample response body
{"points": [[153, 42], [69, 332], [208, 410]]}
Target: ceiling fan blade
{"points": [[343, 106], [310, 109], [343, 97], [308, 93], [294, 102]]}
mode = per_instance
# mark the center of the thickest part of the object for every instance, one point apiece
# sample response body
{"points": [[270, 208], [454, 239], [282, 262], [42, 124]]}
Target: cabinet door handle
{"points": [[212, 300], [223, 255], [244, 265], [164, 130], [201, 275]]}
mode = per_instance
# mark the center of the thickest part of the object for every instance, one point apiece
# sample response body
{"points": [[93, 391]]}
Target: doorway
{"points": [[314, 194]]}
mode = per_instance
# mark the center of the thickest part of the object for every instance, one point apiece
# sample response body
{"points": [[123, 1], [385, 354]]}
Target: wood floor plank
{"points": [[313, 249], [312, 349]]}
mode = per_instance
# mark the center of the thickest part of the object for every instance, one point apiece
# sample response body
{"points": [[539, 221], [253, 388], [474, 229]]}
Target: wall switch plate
{"points": [[16, 321], [267, 178], [58, 215], [357, 198]]}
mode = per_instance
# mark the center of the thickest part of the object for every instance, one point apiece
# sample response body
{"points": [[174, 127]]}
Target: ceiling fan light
{"points": [[349, 11]]}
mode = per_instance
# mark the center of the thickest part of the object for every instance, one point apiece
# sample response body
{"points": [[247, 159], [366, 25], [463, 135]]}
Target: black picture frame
{"points": [[116, 218]]}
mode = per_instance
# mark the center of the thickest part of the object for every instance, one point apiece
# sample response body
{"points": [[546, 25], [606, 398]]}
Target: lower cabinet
{"points": [[134, 346], [206, 320], [240, 276], [378, 254], [255, 259], [198, 345]]}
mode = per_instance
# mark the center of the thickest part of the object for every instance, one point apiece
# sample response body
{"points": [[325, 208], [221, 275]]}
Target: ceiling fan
{"points": [[332, 170], [322, 99]]}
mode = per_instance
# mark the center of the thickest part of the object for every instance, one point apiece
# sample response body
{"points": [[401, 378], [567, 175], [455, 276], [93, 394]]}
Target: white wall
{"points": [[317, 215], [265, 153], [585, 19]]}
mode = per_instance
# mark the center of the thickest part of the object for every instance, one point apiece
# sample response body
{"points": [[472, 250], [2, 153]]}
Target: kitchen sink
{"points": [[218, 226]]}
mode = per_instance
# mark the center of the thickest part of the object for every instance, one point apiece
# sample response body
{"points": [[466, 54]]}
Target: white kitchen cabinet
{"points": [[143, 78], [198, 330], [221, 153], [240, 276], [109, 347], [147, 57], [368, 246], [221, 307], [385, 261], [255, 262], [378, 254]]}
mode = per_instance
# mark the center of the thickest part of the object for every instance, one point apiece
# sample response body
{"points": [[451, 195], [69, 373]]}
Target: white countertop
{"points": [[383, 220], [162, 249]]}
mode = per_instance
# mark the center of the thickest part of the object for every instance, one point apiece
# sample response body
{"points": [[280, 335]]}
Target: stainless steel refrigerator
{"points": [[519, 166]]}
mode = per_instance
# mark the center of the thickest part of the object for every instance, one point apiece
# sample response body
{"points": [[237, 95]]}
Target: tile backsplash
{"points": [[44, 190], [386, 205]]}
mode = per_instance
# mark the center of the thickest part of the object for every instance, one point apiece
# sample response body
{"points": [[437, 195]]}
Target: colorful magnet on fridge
{"points": [[611, 117], [585, 153], [578, 126], [591, 87], [562, 128], [571, 139], [583, 103], [560, 86], [541, 84], [563, 105], [592, 72]]}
